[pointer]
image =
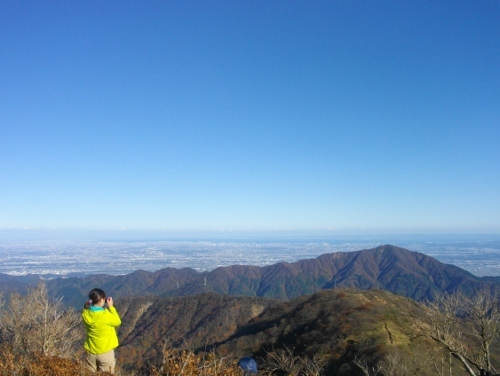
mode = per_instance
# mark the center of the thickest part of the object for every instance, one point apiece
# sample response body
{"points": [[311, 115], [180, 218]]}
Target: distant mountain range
{"points": [[387, 267]]}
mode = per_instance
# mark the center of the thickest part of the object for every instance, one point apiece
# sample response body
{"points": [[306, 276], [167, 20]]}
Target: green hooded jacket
{"points": [[101, 329]]}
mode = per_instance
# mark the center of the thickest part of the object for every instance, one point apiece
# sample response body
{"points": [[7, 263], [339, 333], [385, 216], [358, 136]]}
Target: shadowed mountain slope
{"points": [[181, 322], [75, 290]]}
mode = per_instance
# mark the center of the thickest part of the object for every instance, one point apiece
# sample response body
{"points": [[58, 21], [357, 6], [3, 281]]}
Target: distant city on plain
{"points": [[479, 256]]}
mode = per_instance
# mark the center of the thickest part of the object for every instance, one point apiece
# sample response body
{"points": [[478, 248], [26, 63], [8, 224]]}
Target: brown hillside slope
{"points": [[196, 321], [338, 325]]}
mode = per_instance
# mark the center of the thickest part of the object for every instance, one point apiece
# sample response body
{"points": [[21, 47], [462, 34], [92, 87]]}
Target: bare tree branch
{"points": [[465, 326]]}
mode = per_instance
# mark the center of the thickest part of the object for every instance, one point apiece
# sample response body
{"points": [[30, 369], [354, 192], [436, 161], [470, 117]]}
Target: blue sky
{"points": [[250, 116]]}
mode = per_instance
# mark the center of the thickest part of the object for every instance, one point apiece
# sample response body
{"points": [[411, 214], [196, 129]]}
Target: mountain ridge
{"points": [[401, 271]]}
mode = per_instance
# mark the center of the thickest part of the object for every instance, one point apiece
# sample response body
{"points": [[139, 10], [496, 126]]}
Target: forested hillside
{"points": [[340, 325]]}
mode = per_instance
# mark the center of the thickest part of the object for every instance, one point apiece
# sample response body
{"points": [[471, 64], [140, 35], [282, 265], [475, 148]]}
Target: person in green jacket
{"points": [[100, 323]]}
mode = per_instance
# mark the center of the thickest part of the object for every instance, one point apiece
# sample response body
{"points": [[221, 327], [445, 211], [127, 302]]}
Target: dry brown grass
{"points": [[175, 363], [186, 362], [38, 365]]}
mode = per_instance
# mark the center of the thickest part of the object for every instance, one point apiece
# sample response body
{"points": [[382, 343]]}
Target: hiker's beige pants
{"points": [[102, 362]]}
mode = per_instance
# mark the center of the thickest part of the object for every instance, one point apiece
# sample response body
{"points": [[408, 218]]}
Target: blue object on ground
{"points": [[248, 364]]}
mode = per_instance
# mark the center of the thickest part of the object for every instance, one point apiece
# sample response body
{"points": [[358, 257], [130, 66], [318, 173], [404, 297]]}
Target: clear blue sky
{"points": [[250, 115]]}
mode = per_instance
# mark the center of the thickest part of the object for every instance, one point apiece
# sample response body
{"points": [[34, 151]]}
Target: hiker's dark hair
{"points": [[94, 297]]}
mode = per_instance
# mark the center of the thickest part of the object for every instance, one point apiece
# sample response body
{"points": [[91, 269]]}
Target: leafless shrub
{"points": [[397, 363], [188, 363], [365, 368], [283, 360], [36, 324]]}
